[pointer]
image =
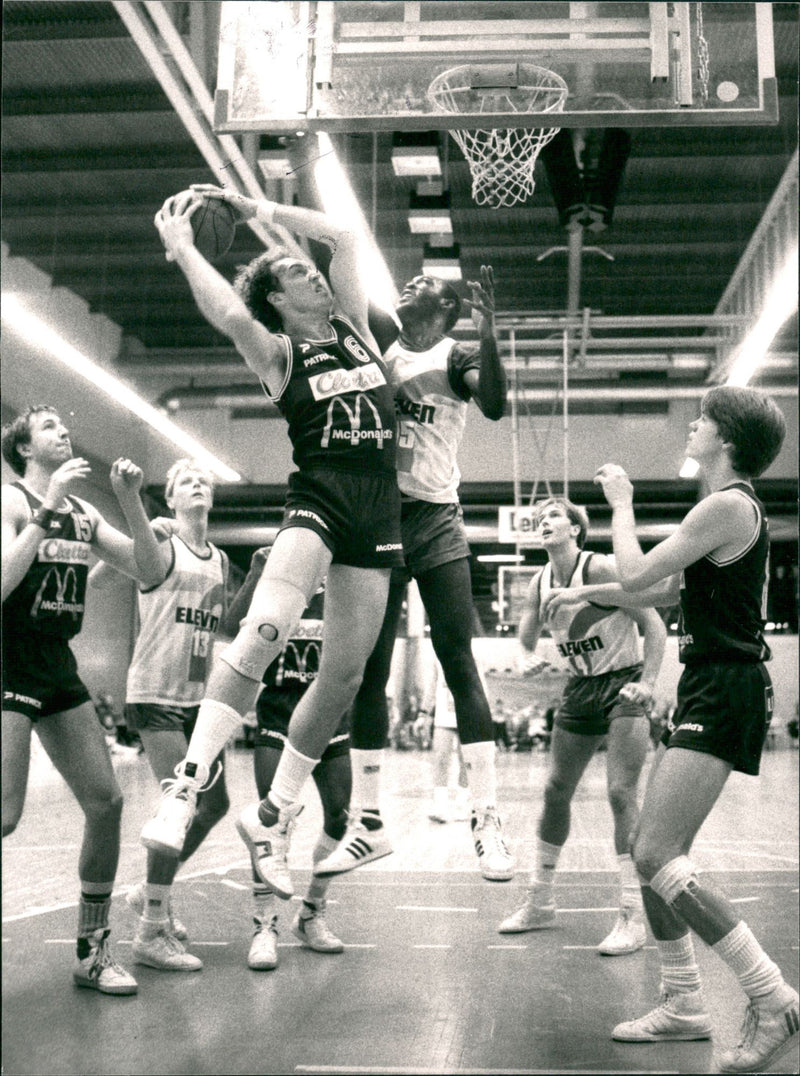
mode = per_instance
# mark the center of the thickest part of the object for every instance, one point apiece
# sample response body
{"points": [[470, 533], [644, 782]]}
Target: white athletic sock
{"points": [[630, 890], [366, 767], [545, 869], [263, 903], [479, 762], [745, 957], [679, 971], [290, 776], [156, 903], [216, 723], [318, 886]]}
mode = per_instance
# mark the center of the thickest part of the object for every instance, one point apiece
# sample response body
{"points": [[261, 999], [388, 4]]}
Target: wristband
{"points": [[44, 517], [266, 212]]}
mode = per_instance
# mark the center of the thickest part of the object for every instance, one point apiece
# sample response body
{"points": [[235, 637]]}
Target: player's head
{"points": [[750, 422], [426, 298], [43, 423], [272, 282], [189, 485], [547, 518]]}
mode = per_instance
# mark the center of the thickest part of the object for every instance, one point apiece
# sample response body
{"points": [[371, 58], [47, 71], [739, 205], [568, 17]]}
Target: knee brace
{"points": [[258, 642], [673, 878]]}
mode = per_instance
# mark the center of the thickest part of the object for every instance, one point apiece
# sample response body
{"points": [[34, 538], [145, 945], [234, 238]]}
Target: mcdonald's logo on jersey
{"points": [[350, 429], [336, 382], [58, 593]]}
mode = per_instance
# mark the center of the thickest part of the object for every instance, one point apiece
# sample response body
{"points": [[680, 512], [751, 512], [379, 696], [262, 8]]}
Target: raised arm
{"points": [[21, 533], [530, 625], [710, 525], [263, 351], [488, 384], [349, 287], [139, 556]]}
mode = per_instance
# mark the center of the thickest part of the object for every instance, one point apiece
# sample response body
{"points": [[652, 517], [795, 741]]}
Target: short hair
{"points": [[255, 281], [449, 292], [18, 433], [575, 514], [185, 465], [751, 421]]}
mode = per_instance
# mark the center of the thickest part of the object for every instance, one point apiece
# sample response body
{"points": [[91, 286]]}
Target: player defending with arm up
{"points": [[607, 697], [433, 378], [719, 553]]}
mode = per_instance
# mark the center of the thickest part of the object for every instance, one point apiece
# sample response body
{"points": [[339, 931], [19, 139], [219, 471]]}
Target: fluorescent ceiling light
{"points": [[340, 203], [780, 304], [430, 214], [442, 262], [37, 333], [501, 558]]}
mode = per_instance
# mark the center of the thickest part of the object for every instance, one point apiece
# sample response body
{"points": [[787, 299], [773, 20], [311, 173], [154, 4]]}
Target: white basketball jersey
{"points": [[430, 421], [177, 623], [590, 639]]}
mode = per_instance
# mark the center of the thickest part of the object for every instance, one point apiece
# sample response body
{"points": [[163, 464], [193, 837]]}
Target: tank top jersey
{"points": [[51, 597], [338, 403], [177, 623], [723, 603], [298, 663], [591, 639], [431, 399]]}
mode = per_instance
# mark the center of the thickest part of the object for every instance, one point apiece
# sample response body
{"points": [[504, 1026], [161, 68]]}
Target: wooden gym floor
{"points": [[425, 984]]}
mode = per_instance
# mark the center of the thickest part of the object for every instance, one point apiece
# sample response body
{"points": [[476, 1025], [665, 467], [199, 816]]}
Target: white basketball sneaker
{"points": [[627, 936], [311, 928], [166, 831], [99, 971], [535, 913], [769, 1032], [263, 955], [359, 845], [678, 1018], [494, 859], [269, 846], [160, 949]]}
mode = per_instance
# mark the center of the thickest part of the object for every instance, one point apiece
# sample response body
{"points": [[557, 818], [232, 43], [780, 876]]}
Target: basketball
{"points": [[214, 226]]}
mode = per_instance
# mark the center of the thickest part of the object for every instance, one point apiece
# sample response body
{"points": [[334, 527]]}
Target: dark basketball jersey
{"points": [[298, 663], [50, 598], [338, 402], [723, 603]]}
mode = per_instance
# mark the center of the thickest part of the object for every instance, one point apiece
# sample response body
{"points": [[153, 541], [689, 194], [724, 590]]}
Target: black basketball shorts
{"points": [[433, 534], [357, 515], [724, 709], [40, 675], [591, 703], [274, 708]]}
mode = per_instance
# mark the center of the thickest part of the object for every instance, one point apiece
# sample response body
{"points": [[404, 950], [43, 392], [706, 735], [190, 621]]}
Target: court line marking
{"points": [[395, 1070], [430, 908], [743, 900], [35, 910]]}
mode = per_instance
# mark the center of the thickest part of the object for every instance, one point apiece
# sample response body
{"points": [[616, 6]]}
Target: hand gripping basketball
{"points": [[242, 207]]}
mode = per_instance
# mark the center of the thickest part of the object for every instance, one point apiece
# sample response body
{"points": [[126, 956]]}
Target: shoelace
{"points": [[749, 1027], [104, 959], [173, 786], [490, 833]]}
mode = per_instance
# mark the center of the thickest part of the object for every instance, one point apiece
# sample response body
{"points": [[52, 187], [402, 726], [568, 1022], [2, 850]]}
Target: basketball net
{"points": [[501, 160]]}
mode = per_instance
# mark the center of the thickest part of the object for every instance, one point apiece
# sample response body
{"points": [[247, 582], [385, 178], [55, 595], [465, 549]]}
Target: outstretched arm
{"points": [[140, 556], [707, 527], [488, 385], [217, 301], [349, 288]]}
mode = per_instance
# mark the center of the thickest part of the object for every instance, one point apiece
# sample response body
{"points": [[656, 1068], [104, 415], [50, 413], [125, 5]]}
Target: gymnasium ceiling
{"points": [[91, 146]]}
